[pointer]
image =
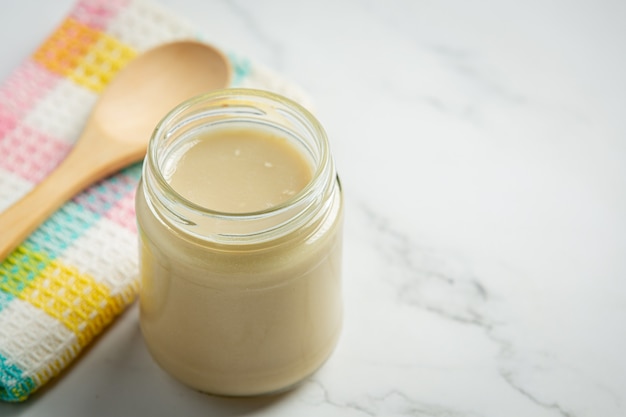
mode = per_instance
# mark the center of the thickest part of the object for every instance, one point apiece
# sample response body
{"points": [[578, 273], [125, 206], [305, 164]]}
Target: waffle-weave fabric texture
{"points": [[78, 270]]}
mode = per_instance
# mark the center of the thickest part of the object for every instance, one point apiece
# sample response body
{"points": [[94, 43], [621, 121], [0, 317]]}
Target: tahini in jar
{"points": [[240, 215]]}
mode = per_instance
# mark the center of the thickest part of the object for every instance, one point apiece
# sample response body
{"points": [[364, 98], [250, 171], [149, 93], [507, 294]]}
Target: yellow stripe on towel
{"points": [[77, 300], [101, 63]]}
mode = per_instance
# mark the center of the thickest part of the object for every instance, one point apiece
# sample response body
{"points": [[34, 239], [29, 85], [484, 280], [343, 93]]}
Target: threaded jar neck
{"points": [[224, 109]]}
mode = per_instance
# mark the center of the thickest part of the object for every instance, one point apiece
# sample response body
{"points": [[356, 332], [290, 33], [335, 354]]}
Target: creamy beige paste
{"points": [[234, 319], [239, 170]]}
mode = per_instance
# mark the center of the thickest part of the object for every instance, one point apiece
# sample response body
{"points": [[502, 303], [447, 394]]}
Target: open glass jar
{"points": [[240, 303]]}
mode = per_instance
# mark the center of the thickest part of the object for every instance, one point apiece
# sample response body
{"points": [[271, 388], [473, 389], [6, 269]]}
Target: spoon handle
{"points": [[84, 165]]}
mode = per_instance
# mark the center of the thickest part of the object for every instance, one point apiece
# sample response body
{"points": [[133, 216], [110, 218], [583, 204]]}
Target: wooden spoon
{"points": [[118, 130]]}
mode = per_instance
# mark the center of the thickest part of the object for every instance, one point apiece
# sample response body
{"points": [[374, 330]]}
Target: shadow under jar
{"points": [[240, 288]]}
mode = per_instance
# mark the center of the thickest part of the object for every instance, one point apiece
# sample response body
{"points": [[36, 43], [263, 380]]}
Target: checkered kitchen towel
{"points": [[78, 271]]}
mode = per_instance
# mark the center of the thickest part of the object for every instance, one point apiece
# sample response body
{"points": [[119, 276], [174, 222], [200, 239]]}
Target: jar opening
{"points": [[231, 109]]}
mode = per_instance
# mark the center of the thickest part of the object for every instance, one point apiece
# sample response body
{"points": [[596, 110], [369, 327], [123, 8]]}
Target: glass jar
{"points": [[240, 303]]}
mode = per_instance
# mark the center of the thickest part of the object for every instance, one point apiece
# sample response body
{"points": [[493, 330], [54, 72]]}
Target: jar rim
{"points": [[321, 168]]}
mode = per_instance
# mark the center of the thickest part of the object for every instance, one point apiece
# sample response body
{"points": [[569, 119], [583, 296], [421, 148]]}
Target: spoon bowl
{"points": [[119, 127]]}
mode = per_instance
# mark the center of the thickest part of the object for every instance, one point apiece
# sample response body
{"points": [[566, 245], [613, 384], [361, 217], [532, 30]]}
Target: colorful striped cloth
{"points": [[78, 271]]}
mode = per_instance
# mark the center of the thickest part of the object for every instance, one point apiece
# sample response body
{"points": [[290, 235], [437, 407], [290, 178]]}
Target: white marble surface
{"points": [[482, 146]]}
